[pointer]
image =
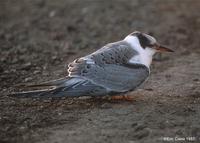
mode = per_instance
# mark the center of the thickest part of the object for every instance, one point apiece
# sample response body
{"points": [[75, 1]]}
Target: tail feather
{"points": [[52, 83], [32, 94], [69, 87]]}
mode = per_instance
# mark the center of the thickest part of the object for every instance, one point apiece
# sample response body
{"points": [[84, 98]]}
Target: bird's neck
{"points": [[144, 55]]}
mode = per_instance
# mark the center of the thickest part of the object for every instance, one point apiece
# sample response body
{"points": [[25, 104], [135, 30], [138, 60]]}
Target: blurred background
{"points": [[39, 38]]}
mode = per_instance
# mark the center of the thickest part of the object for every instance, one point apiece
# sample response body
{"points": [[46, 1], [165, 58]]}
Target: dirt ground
{"points": [[37, 40]]}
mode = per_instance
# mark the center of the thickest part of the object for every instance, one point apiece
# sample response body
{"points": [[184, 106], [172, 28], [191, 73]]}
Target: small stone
{"points": [[54, 57], [26, 66], [22, 128], [28, 79], [52, 13], [36, 72]]}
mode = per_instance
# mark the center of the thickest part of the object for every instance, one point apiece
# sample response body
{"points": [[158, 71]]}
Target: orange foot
{"points": [[122, 97]]}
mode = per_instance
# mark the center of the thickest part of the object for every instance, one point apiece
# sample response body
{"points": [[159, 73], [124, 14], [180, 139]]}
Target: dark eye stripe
{"points": [[144, 41]]}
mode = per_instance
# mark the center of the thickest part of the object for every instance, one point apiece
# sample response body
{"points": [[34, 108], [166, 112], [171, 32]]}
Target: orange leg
{"points": [[122, 97]]}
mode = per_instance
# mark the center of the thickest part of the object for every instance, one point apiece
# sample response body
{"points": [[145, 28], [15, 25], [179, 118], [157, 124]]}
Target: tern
{"points": [[114, 69]]}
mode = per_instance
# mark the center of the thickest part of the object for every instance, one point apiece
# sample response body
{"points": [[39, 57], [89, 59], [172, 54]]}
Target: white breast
{"points": [[142, 58]]}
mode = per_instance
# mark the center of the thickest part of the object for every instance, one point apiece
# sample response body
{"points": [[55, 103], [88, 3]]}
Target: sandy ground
{"points": [[37, 40]]}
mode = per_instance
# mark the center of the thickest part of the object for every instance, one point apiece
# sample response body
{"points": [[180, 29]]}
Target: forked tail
{"points": [[65, 87]]}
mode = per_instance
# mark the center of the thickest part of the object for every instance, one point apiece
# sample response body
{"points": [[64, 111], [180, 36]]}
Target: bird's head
{"points": [[146, 42]]}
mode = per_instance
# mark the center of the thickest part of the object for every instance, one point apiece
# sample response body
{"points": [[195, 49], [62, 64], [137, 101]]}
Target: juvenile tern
{"points": [[114, 69]]}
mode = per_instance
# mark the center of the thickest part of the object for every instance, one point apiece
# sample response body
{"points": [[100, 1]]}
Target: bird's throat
{"points": [[141, 59]]}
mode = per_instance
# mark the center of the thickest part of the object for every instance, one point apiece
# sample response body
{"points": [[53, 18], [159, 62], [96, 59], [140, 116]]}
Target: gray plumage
{"points": [[104, 72], [112, 69]]}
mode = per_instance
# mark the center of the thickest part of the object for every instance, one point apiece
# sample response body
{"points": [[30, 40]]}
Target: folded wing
{"points": [[111, 68]]}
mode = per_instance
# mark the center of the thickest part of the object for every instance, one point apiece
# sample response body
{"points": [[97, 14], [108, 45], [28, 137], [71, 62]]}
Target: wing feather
{"points": [[111, 68]]}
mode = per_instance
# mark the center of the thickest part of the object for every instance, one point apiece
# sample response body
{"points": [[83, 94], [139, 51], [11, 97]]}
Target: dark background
{"points": [[38, 38]]}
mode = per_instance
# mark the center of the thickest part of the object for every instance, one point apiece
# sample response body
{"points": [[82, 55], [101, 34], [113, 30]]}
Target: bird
{"points": [[113, 70]]}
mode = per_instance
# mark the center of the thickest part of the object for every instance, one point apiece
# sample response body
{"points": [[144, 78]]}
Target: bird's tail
{"points": [[65, 87]]}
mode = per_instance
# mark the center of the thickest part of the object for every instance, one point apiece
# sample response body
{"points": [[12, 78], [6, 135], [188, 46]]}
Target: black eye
{"points": [[144, 41]]}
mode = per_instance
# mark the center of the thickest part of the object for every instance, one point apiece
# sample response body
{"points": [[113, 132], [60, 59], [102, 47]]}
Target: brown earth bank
{"points": [[39, 38]]}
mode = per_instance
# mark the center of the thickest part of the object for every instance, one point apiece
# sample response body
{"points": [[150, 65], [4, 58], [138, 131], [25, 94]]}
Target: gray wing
{"points": [[113, 53], [109, 68]]}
